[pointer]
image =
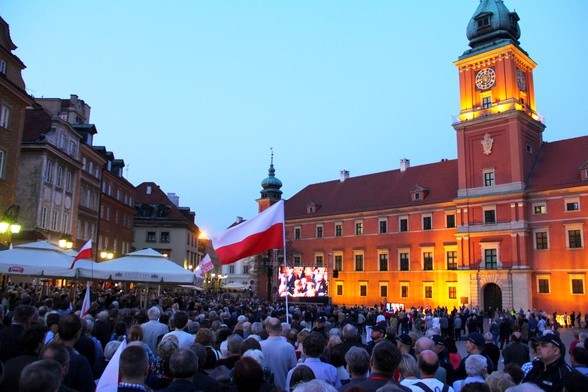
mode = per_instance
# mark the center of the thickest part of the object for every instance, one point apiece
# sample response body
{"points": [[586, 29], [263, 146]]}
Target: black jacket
{"points": [[550, 377]]}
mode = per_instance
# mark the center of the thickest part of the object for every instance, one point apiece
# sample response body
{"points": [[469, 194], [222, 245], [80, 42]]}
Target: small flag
{"points": [[205, 266], [85, 253], [263, 232], [109, 380], [86, 303]]}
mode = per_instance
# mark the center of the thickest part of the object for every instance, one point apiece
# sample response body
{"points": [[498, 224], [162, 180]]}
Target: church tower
{"points": [[499, 132], [271, 192]]}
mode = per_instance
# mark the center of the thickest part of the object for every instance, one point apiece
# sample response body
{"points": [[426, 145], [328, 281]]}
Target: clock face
{"points": [[521, 80], [485, 78]]}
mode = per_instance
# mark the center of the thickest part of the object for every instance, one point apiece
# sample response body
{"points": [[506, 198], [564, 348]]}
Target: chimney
{"points": [[344, 175], [174, 199], [239, 219], [404, 164], [148, 191]]}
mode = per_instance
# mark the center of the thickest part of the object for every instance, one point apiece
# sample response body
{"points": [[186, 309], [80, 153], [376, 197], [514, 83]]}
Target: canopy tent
{"points": [[146, 265], [36, 259], [235, 286]]}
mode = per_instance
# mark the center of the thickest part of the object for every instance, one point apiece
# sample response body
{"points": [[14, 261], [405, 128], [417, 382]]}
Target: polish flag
{"points": [[86, 303], [85, 253], [109, 380], [205, 266], [263, 232]]}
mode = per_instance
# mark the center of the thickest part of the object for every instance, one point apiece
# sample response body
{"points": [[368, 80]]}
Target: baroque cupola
{"points": [[271, 185]]}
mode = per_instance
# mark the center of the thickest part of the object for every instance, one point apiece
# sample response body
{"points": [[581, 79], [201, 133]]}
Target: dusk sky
{"points": [[193, 94]]}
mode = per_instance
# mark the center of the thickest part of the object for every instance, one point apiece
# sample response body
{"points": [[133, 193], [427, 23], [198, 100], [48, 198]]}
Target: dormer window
{"points": [[483, 20], [311, 207], [418, 193]]}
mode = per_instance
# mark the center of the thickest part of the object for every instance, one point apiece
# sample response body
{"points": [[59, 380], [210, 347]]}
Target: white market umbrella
{"points": [[36, 259], [146, 265]]}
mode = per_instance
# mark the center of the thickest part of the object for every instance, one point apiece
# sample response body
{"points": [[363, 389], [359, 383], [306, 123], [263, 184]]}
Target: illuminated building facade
{"points": [[501, 226]]}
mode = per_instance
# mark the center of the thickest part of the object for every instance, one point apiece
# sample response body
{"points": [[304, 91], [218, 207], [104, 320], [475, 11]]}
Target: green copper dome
{"points": [[271, 185], [492, 25]]}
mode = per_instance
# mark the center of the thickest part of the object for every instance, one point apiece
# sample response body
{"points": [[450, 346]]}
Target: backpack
{"points": [[426, 388]]}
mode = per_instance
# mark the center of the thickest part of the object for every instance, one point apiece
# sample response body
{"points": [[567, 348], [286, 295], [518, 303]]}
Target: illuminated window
{"points": [[539, 209], [403, 290], [451, 257], [452, 294], [428, 290], [577, 284], [427, 261]]}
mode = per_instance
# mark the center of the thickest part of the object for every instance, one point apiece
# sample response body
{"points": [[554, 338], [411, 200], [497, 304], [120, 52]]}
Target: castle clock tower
{"points": [[499, 133]]}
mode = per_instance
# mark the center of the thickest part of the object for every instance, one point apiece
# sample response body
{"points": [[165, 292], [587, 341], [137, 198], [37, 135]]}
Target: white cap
{"points": [[380, 318]]}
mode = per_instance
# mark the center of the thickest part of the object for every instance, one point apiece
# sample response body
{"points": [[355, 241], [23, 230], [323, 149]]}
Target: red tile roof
{"points": [[390, 189], [156, 197]]}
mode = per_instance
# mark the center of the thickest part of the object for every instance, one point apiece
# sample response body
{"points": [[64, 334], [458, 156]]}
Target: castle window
{"points": [[3, 67], [359, 262], [450, 221], [543, 284], [404, 261], [403, 223], [427, 222], [319, 260], [150, 236], [383, 289], [577, 283], [319, 231], [451, 257], [297, 233], [363, 289], [339, 262], [4, 116], [489, 179], [452, 294], [339, 288], [489, 215], [358, 228], [486, 102], [574, 235], [541, 241], [338, 229], [428, 290], [403, 290], [383, 226], [539, 208], [572, 205], [491, 258], [383, 259], [484, 21]]}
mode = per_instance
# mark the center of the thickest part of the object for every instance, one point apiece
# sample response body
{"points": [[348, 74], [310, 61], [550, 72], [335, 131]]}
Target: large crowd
{"points": [[183, 340]]}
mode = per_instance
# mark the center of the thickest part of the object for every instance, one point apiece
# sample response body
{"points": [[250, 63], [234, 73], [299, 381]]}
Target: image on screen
{"points": [[302, 281]]}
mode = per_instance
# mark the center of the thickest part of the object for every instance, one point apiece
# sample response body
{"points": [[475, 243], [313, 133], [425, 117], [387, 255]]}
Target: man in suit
{"points": [[183, 366], [23, 317], [79, 375]]}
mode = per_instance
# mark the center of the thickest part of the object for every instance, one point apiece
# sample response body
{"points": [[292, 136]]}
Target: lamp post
{"points": [[65, 242], [9, 224], [106, 255]]}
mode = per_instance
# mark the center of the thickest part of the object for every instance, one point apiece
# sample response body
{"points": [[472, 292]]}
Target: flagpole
{"points": [[285, 263]]}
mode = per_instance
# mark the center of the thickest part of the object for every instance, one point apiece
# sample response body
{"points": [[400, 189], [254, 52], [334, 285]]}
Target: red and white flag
{"points": [[263, 232], [205, 266], [84, 253], [86, 303], [109, 380]]}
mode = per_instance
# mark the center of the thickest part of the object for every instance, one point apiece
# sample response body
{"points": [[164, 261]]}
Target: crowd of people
{"points": [[196, 341]]}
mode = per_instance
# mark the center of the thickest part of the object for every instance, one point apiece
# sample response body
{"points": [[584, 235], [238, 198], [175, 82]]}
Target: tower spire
{"points": [[271, 192]]}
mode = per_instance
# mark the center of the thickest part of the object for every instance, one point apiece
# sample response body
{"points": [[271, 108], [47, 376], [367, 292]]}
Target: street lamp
{"points": [[65, 242], [106, 255], [9, 224]]}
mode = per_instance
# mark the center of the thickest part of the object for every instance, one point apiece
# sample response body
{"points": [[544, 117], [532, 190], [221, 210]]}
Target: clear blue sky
{"points": [[192, 94]]}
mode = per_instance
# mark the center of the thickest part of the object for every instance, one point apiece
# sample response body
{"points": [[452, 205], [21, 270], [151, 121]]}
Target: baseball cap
{"points": [[379, 327], [380, 318], [405, 339], [438, 339], [553, 339], [321, 319], [477, 338]]}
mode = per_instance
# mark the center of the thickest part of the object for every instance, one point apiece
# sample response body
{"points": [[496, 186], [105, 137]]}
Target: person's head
{"points": [[257, 355], [183, 364], [404, 343], [358, 361], [550, 349], [301, 373], [167, 347], [111, 348], [428, 362], [475, 387], [476, 365], [423, 344], [31, 340], [515, 372], [70, 328], [516, 336], [134, 365], [180, 320], [153, 313], [579, 356], [273, 326], [349, 333], [52, 320], [314, 345], [378, 331], [525, 387], [25, 315], [475, 343], [247, 374], [58, 352], [385, 358], [135, 333], [41, 376], [408, 366], [234, 342], [316, 386], [498, 381], [204, 336], [249, 344]]}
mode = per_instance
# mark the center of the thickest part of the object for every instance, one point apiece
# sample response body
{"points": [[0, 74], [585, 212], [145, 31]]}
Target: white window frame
{"points": [[320, 228], [335, 255], [542, 206], [424, 216], [355, 254], [488, 171], [59, 177], [489, 208], [581, 277], [490, 245], [447, 249], [337, 224], [358, 228], [574, 200], [380, 221], [401, 251], [400, 219], [43, 217], [544, 277], [541, 230], [387, 254], [572, 227], [297, 232], [427, 249]]}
